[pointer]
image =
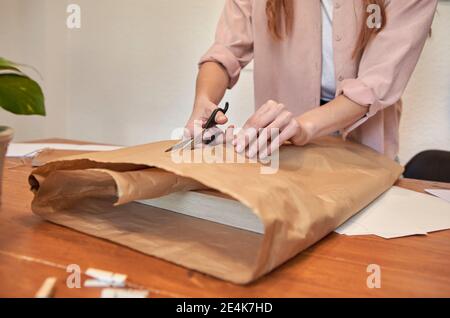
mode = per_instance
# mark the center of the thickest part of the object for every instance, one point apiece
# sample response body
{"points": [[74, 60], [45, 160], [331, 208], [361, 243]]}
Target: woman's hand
{"points": [[268, 129], [203, 108]]}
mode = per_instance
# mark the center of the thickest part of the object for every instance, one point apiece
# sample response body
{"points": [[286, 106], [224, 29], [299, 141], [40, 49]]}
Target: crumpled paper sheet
{"points": [[316, 189]]}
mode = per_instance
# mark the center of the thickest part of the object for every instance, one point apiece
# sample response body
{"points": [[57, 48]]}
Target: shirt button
{"points": [[340, 78], [337, 5], [338, 38]]}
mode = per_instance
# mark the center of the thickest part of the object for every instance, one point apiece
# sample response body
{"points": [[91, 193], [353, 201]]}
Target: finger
{"points": [[252, 148], [263, 150], [289, 132], [244, 138], [225, 137], [198, 127], [213, 132], [250, 131], [221, 119], [187, 133], [208, 133], [279, 124], [267, 106], [262, 120], [192, 128], [229, 134], [219, 139], [263, 142], [282, 120]]}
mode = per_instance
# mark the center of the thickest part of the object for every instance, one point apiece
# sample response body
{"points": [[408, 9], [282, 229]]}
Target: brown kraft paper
{"points": [[316, 189]]}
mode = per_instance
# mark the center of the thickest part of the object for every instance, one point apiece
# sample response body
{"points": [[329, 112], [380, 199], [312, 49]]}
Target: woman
{"points": [[320, 67]]}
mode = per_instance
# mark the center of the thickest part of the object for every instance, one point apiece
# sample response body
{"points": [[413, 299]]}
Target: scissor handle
{"points": [[212, 119]]}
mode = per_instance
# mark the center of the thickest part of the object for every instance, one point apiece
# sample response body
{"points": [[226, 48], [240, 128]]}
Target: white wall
{"points": [[426, 120], [127, 76], [32, 33], [133, 66]]}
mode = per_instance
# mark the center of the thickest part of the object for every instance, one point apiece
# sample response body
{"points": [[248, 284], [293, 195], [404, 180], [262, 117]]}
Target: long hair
{"points": [[280, 17]]}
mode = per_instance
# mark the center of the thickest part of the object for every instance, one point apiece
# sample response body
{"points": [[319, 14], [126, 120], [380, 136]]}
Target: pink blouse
{"points": [[289, 71]]}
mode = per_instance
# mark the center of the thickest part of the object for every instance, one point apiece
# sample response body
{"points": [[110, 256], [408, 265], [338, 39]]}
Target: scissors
{"points": [[192, 142]]}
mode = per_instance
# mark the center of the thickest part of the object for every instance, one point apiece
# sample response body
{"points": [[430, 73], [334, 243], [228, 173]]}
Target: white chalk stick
{"points": [[114, 279], [46, 290]]}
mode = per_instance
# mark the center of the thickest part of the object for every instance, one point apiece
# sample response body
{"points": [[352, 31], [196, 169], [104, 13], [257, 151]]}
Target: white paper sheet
{"points": [[440, 193], [399, 212], [211, 208], [26, 149]]}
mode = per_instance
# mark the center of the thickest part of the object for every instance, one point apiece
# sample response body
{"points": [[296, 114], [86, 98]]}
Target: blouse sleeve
{"points": [[233, 45], [390, 58]]}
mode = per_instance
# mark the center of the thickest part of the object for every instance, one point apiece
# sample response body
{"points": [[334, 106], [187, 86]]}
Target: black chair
{"points": [[431, 165]]}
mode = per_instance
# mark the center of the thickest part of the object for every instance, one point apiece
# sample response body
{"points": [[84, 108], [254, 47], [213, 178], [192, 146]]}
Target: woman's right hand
{"points": [[203, 108]]}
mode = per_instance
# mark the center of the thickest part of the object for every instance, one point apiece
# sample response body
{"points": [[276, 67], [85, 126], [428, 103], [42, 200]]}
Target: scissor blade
{"points": [[181, 145], [197, 140]]}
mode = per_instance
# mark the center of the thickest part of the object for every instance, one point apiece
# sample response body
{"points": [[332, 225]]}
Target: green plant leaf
{"points": [[8, 65], [21, 95]]}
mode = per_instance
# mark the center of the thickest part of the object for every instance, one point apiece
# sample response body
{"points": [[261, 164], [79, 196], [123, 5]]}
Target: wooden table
{"points": [[32, 250]]}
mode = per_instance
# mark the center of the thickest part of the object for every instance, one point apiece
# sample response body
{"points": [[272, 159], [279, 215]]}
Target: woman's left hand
{"points": [[268, 129]]}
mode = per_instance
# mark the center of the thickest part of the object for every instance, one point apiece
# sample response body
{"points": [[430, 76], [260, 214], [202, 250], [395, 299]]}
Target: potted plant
{"points": [[19, 94]]}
